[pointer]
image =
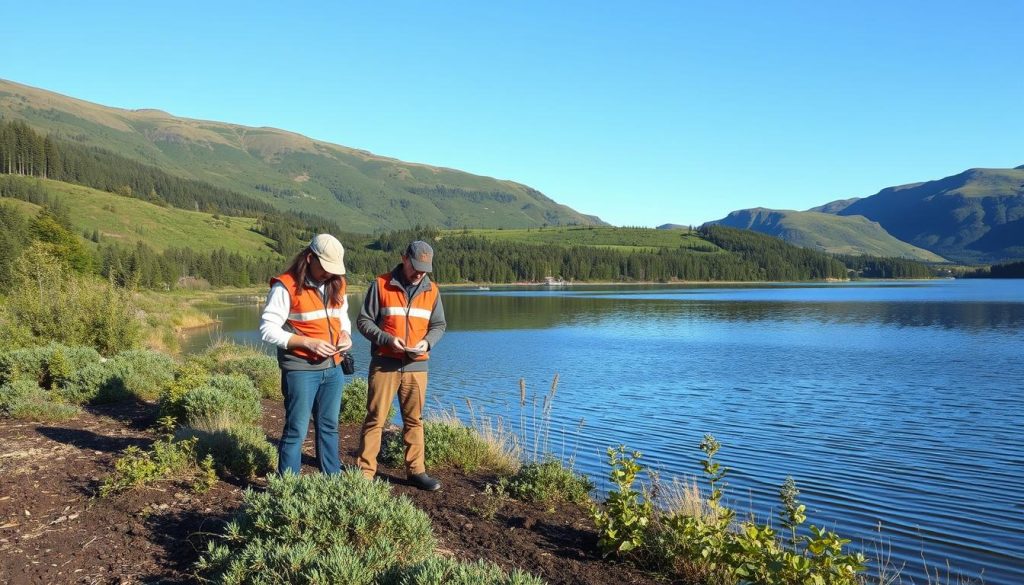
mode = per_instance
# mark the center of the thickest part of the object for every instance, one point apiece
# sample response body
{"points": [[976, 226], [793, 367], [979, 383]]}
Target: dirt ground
{"points": [[54, 528]]}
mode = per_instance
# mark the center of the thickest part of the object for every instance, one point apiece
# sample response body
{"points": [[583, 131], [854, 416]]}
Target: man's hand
{"points": [[420, 347], [397, 344]]}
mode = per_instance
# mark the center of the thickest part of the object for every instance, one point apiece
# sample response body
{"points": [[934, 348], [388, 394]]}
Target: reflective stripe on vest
{"points": [[398, 317], [307, 316]]}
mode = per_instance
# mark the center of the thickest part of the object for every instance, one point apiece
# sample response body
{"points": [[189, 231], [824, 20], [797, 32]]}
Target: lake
{"points": [[895, 404]]}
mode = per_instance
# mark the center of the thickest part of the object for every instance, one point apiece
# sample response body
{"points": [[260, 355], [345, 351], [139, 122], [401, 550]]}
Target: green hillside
{"points": [[126, 221], [625, 239], [359, 190], [835, 234], [975, 216]]}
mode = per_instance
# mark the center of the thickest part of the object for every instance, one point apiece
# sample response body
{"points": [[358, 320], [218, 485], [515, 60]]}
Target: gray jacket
{"points": [[368, 323]]}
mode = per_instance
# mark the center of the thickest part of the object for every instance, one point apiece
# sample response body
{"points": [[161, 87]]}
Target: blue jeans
{"points": [[316, 393]]}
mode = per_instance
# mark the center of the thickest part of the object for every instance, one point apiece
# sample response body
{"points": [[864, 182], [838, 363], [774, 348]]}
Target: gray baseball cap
{"points": [[421, 255]]}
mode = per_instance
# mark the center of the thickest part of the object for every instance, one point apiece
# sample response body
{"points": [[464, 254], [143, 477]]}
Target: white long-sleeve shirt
{"points": [[275, 313]]}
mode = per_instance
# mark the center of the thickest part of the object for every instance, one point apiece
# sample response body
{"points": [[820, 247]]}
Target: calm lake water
{"points": [[892, 404]]}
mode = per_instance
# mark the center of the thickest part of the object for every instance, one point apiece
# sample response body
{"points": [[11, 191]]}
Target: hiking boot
{"points": [[424, 482]]}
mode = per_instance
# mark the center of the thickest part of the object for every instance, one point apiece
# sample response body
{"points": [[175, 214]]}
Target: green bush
{"points": [[25, 400], [229, 400], [242, 451], [446, 571], [319, 529], [56, 303], [353, 402], [95, 382], [548, 481], [49, 366], [144, 374], [167, 459], [189, 376], [261, 369], [445, 445]]}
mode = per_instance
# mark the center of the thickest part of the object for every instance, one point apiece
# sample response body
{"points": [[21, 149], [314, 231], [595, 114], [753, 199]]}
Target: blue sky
{"points": [[642, 113]]}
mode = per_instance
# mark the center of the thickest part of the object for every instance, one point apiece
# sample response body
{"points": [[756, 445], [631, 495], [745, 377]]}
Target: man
{"points": [[403, 318]]}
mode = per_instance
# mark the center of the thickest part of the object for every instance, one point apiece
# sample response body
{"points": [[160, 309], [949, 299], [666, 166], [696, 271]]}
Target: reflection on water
{"points": [[891, 404]]}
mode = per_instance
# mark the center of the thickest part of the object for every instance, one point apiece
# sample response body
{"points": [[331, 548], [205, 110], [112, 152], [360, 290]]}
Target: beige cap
{"points": [[330, 252]]}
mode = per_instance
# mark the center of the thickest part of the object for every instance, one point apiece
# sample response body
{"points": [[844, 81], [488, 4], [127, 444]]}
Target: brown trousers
{"points": [[411, 388]]}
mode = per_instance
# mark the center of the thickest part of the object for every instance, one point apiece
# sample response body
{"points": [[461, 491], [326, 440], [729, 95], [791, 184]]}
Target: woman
{"points": [[306, 317]]}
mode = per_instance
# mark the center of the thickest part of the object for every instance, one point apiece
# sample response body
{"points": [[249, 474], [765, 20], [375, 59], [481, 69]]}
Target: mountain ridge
{"points": [[360, 190]]}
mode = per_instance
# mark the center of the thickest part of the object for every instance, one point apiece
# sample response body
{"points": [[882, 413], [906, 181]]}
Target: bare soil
{"points": [[54, 528]]}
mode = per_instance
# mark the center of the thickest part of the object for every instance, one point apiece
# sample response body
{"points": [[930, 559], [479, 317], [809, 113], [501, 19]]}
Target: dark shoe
{"points": [[424, 482]]}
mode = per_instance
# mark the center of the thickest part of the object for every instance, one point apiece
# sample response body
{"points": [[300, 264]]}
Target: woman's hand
{"points": [[344, 342], [320, 347]]}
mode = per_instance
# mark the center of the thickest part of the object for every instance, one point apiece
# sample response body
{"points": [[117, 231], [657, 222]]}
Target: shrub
{"points": [[144, 374], [25, 400], [48, 365], [445, 445], [446, 571], [319, 529], [353, 402], [189, 376], [55, 303], [241, 451], [95, 382], [548, 481], [227, 401], [165, 460], [261, 369]]}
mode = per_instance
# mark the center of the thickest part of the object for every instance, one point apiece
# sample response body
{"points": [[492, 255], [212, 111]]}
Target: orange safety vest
{"points": [[309, 317], [402, 318]]}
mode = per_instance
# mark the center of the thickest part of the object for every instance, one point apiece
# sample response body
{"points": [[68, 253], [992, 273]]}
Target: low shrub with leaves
{"points": [[446, 571], [319, 528], [548, 481], [25, 400], [260, 368], [190, 375], [228, 400], [50, 366], [143, 374], [166, 459], [622, 521], [243, 452], [446, 444]]}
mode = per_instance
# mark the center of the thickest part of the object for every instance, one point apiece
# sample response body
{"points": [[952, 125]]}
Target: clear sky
{"points": [[640, 112]]}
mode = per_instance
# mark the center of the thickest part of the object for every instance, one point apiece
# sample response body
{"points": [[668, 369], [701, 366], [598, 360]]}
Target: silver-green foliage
{"points": [[227, 400], [143, 373], [260, 368], [240, 451], [319, 528], [25, 400], [446, 571]]}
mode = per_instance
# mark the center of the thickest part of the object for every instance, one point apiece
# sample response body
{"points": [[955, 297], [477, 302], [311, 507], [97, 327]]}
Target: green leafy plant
{"points": [[446, 444], [623, 519], [446, 571], [166, 459], [25, 400], [239, 451]]}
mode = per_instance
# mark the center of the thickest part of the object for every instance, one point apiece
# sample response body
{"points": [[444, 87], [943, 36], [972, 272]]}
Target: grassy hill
{"points": [[359, 190], [835, 234], [126, 221]]}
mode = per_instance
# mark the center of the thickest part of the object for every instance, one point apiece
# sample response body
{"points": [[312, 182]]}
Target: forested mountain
{"points": [[975, 216], [358, 190]]}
